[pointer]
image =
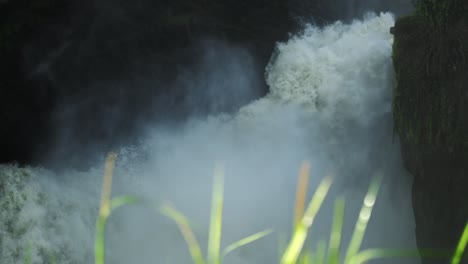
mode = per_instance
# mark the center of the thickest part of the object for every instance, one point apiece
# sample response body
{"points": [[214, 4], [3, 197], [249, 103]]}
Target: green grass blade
{"points": [[320, 253], [363, 220], [99, 240], [301, 192], [245, 241], [461, 246], [434, 253], [216, 219], [305, 258], [300, 233], [369, 254], [123, 200], [27, 258], [52, 258], [99, 245], [184, 227], [282, 243], [104, 209], [335, 236]]}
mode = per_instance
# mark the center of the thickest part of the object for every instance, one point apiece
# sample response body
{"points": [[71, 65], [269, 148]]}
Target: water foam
{"points": [[341, 70]]}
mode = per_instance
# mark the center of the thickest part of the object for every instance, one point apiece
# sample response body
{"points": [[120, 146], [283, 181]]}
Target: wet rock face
{"points": [[439, 197], [431, 118]]}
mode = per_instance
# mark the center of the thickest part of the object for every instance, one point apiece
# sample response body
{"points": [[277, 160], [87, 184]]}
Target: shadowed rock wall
{"points": [[431, 118]]}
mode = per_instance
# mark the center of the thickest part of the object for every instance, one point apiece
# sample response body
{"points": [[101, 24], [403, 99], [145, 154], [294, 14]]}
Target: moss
{"points": [[13, 198], [441, 12]]}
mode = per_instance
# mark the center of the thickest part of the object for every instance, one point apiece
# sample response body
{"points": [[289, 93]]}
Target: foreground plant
{"points": [[303, 220], [107, 206], [295, 254], [214, 254]]}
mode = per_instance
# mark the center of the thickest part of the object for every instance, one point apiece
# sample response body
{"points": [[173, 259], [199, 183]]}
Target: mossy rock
{"points": [[442, 13], [431, 91]]}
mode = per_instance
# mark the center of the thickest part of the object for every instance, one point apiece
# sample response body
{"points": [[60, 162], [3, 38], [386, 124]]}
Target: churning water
{"points": [[329, 103]]}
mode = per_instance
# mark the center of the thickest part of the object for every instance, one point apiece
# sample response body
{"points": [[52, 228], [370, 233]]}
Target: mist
{"points": [[126, 67], [111, 114], [329, 104]]}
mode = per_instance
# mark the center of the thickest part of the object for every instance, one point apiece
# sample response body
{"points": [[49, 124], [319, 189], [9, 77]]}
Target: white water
{"points": [[330, 103]]}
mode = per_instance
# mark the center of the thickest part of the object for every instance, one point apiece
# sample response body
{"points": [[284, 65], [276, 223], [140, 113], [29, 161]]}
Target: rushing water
{"points": [[329, 103]]}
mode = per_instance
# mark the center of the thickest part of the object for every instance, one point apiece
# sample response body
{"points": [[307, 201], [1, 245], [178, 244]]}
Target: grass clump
{"points": [[296, 244], [107, 206], [303, 220], [214, 254]]}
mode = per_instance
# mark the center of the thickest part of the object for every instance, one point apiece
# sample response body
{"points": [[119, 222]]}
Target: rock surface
{"points": [[431, 118]]}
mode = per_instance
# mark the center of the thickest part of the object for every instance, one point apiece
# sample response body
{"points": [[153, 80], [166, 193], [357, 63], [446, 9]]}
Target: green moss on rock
{"points": [[430, 95], [441, 12]]}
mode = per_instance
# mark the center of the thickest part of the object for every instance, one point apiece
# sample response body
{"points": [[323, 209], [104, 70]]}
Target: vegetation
{"points": [[12, 199], [441, 12], [304, 219]]}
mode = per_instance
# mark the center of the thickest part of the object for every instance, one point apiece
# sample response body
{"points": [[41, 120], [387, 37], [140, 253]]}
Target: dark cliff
{"points": [[430, 56]]}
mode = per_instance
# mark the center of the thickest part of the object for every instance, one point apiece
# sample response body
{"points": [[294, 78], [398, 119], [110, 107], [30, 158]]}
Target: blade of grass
{"points": [[52, 258], [321, 252], [107, 206], [461, 246], [27, 258], [435, 253], [369, 254], [123, 200], [107, 184], [282, 243], [335, 236], [245, 241], [101, 225], [305, 258], [363, 219], [104, 209], [216, 219], [296, 243], [184, 227], [301, 192]]}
